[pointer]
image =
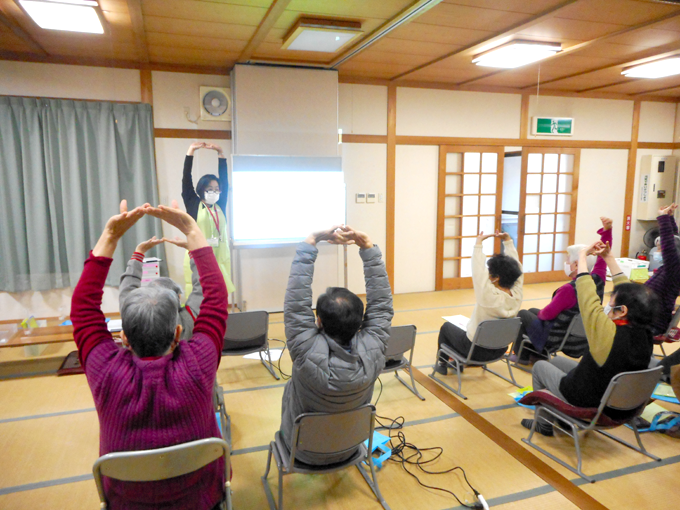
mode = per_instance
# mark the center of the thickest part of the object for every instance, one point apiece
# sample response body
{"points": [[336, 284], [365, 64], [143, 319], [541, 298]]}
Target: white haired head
{"points": [[572, 255]]}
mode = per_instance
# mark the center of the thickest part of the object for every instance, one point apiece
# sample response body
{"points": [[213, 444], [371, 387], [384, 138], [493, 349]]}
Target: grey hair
{"points": [[167, 283], [150, 315], [572, 255]]}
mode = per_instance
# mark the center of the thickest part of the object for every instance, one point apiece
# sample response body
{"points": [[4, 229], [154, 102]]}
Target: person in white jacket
{"points": [[498, 295]]}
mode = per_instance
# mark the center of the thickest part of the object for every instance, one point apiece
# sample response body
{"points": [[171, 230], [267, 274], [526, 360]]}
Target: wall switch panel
{"points": [[361, 198], [370, 198]]}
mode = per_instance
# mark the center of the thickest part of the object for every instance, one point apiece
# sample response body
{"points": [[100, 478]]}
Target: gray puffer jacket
{"points": [[326, 377], [131, 279]]}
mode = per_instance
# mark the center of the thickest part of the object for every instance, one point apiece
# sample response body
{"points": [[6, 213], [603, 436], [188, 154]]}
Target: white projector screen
{"points": [[282, 199]]}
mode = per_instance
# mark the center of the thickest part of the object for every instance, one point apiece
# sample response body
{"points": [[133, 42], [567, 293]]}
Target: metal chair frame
{"points": [[263, 350], [307, 432], [163, 463], [399, 345], [221, 408], [575, 328], [548, 414], [513, 326]]}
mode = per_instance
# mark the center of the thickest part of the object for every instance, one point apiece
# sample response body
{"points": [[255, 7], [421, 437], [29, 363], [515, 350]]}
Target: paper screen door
{"points": [[547, 211], [469, 202]]}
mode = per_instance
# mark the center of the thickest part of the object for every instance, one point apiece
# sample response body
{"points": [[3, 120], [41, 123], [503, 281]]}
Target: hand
{"points": [[481, 237], [352, 236], [214, 147], [606, 222], [177, 241], [330, 235], [194, 147], [174, 216], [145, 246], [601, 249], [669, 210], [504, 236], [115, 229]]}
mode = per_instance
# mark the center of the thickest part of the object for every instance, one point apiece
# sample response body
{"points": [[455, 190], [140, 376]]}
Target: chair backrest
{"points": [[576, 327], [161, 463], [497, 333], [674, 322], [333, 432], [401, 340], [631, 390], [247, 326]]}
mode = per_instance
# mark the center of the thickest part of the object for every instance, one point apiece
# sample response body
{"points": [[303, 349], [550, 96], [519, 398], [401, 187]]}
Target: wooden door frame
{"points": [[546, 276], [463, 282]]}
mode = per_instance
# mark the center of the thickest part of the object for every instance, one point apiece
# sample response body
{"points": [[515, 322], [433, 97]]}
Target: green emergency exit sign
{"points": [[556, 126]]}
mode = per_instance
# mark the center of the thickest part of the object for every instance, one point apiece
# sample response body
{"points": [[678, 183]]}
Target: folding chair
{"points": [[223, 418], [628, 392], [402, 339], [575, 330], [311, 434], [670, 336], [490, 334], [248, 332], [163, 463]]}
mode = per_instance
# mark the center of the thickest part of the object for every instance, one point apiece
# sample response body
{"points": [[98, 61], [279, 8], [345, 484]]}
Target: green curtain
{"points": [[64, 168]]}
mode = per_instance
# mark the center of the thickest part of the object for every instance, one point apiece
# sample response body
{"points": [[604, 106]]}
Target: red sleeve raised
{"points": [[212, 319]]}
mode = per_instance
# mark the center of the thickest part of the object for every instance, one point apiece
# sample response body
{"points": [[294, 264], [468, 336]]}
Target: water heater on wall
{"points": [[215, 103], [657, 185]]}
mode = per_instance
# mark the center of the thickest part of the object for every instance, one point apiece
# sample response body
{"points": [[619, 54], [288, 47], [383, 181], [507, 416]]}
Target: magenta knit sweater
{"points": [[153, 403]]}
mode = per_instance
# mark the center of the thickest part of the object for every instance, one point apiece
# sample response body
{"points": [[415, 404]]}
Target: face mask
{"points": [[567, 269], [211, 197], [607, 309]]}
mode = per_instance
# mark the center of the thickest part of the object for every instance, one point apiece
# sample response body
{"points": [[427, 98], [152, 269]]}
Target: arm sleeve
{"points": [[600, 268], [212, 321], [671, 259], [480, 276], [223, 175], [379, 310], [89, 323], [564, 299], [674, 224], [600, 330], [620, 278], [196, 297], [298, 317], [191, 199], [131, 279]]}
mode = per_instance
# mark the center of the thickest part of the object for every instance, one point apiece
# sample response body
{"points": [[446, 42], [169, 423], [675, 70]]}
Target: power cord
{"points": [[284, 376]]}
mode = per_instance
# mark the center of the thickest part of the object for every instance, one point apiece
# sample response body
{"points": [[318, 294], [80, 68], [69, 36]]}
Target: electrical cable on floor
{"points": [[284, 376]]}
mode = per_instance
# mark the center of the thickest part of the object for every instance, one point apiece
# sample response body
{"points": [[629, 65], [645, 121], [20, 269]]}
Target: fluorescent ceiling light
{"points": [[69, 15], [322, 35], [516, 54], [656, 69]]}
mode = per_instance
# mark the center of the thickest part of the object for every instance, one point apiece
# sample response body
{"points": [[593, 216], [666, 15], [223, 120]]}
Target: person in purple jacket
{"points": [[157, 391]]}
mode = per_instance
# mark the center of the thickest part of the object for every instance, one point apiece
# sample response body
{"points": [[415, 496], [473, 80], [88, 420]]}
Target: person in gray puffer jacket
{"points": [[338, 357], [131, 279]]}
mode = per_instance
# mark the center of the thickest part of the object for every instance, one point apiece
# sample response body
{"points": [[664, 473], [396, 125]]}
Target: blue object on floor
{"points": [[380, 443], [66, 323]]}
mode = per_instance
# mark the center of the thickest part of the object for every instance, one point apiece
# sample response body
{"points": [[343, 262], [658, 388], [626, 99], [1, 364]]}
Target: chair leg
{"points": [[373, 482], [641, 448], [268, 362], [265, 482], [485, 367], [412, 387], [440, 381]]}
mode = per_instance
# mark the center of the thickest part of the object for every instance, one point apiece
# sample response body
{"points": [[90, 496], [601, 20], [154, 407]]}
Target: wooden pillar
{"points": [[630, 178], [147, 87], [391, 164]]}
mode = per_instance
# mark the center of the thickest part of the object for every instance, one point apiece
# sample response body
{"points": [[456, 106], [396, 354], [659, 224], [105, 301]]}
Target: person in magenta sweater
{"points": [[547, 327], [156, 391]]}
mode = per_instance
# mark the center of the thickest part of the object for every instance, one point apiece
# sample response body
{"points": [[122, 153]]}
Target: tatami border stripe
{"points": [[269, 386], [252, 449], [46, 483], [47, 415], [563, 485]]}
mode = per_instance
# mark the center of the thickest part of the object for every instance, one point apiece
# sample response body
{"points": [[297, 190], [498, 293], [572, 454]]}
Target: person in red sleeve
{"points": [[156, 391]]}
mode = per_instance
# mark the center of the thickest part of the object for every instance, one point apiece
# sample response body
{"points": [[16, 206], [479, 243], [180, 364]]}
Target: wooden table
{"points": [[47, 335]]}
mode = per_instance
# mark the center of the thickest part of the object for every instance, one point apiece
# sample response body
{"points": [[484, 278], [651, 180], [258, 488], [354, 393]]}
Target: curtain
{"points": [[64, 168]]}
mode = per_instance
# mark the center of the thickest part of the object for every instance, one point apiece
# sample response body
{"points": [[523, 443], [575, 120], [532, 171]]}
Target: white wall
{"points": [[362, 109], [415, 236], [73, 82], [427, 112], [601, 192], [512, 179], [594, 119], [657, 122]]}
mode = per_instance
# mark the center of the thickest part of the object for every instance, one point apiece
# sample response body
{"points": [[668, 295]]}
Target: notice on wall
{"points": [[644, 188]]}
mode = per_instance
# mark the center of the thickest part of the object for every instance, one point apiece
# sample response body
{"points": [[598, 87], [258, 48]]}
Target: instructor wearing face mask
{"points": [[207, 204]]}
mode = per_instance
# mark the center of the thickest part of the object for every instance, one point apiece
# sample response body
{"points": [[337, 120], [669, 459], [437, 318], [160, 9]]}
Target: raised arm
{"points": [[223, 175], [131, 279], [191, 199], [605, 233], [195, 298], [89, 323], [667, 230], [480, 272]]}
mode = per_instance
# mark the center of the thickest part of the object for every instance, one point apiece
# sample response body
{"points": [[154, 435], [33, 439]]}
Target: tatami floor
{"points": [[49, 436]]}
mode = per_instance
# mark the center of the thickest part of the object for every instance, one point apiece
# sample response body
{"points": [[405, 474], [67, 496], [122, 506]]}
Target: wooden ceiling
{"points": [[599, 38]]}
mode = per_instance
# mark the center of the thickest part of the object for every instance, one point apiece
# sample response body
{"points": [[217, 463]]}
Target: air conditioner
{"points": [[216, 103]]}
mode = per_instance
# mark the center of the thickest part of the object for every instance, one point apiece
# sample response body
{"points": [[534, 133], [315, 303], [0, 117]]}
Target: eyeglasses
{"points": [[213, 191]]}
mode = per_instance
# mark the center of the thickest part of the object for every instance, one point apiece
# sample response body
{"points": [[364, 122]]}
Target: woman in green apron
{"points": [[206, 204]]}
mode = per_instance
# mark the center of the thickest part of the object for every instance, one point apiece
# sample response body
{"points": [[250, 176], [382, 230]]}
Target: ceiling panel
{"points": [[187, 56], [199, 43], [462, 16], [623, 12], [415, 31], [569, 29], [383, 9], [520, 6], [391, 58], [198, 28], [430, 49], [204, 11], [640, 86], [647, 37]]}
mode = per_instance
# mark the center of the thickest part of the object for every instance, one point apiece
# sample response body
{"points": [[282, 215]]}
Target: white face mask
{"points": [[607, 309], [567, 269], [211, 197]]}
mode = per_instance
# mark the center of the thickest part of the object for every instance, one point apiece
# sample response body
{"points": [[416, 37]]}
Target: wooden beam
{"points": [[577, 47], [524, 117], [10, 22], [497, 38], [630, 178], [270, 18], [147, 86], [137, 18], [364, 138], [391, 180], [677, 86], [611, 84], [198, 134]]}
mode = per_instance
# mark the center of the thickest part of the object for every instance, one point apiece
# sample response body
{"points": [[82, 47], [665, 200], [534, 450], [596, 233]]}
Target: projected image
{"points": [[285, 206]]}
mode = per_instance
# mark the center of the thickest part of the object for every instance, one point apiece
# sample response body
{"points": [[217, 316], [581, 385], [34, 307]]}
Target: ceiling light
{"points": [[69, 15], [656, 69], [516, 54], [325, 35]]}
